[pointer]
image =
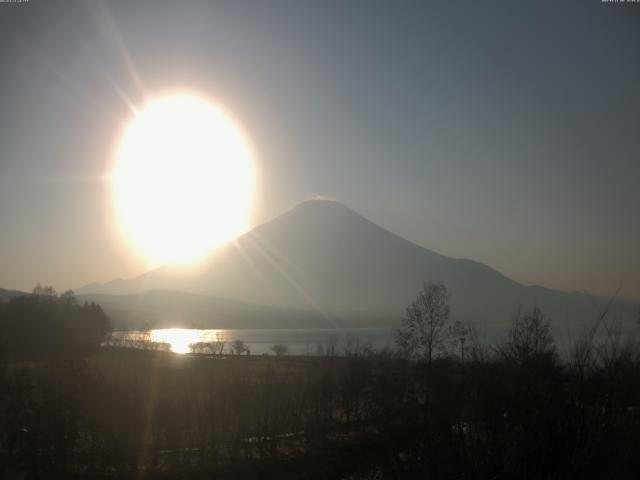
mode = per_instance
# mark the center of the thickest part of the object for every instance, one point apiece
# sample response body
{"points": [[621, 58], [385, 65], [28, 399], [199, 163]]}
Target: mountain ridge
{"points": [[174, 309], [323, 257]]}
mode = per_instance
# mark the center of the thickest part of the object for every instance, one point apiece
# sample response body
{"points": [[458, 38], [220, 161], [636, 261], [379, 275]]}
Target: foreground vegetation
{"points": [[441, 406]]}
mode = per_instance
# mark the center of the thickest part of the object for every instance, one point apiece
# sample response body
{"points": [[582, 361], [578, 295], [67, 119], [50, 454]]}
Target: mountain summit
{"points": [[321, 256]]}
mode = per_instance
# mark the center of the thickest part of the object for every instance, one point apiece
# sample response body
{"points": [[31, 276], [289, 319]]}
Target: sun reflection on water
{"points": [[179, 339]]}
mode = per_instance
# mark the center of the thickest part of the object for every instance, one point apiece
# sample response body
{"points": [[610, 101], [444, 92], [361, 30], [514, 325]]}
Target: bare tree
{"points": [[529, 338], [584, 351], [44, 291], [423, 331], [219, 344], [280, 349], [238, 347]]}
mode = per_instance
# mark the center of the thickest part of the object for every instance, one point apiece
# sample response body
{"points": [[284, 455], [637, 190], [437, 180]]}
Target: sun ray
{"points": [[269, 257], [111, 29]]}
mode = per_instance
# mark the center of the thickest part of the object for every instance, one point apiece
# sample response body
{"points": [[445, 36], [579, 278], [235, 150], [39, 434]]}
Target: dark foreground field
{"points": [[122, 413], [441, 405]]}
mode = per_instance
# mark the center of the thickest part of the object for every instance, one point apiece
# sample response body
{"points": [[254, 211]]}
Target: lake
{"points": [[309, 341], [259, 341]]}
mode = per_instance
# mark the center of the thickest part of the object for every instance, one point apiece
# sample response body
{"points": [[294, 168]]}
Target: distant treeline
{"points": [[48, 324], [440, 405]]}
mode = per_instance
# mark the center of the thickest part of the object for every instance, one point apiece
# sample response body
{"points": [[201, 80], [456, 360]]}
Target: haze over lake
{"points": [[260, 341]]}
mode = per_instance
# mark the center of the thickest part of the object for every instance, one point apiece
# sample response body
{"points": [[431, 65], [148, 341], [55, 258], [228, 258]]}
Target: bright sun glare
{"points": [[183, 179], [179, 339]]}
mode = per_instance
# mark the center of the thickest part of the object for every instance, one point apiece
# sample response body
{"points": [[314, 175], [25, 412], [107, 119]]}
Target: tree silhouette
{"points": [[423, 331], [238, 347], [529, 338], [45, 323], [279, 349]]}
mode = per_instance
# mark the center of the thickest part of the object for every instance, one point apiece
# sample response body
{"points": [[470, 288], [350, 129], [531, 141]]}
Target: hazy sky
{"points": [[506, 132]]}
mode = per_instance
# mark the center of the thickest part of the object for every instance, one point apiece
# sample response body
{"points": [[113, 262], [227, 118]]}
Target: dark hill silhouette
{"points": [[323, 257], [6, 295]]}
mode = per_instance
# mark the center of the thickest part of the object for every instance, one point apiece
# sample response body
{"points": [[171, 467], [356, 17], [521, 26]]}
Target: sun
{"points": [[183, 179]]}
